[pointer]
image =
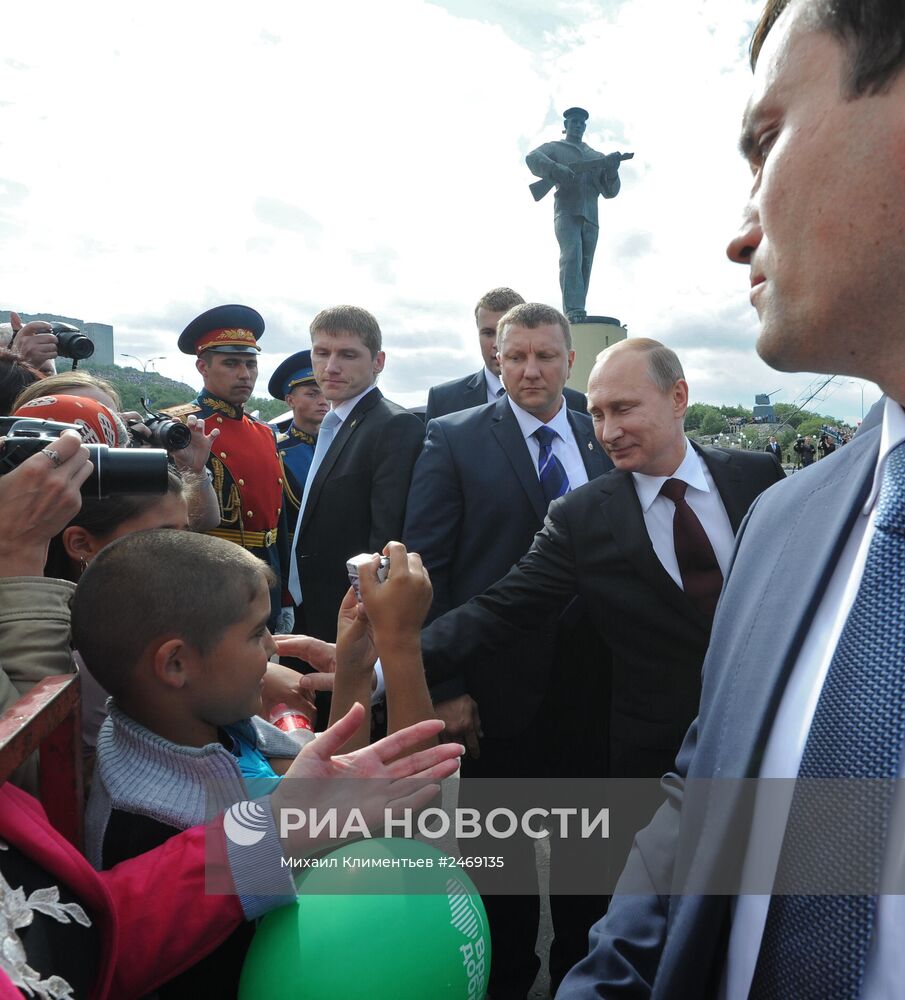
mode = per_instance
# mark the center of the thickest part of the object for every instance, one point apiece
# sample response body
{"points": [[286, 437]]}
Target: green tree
{"points": [[713, 423]]}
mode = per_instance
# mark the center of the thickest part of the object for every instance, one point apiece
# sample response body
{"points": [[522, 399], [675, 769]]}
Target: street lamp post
{"points": [[145, 365]]}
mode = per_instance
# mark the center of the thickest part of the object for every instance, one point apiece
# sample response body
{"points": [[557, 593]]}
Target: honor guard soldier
{"points": [[244, 464], [293, 381]]}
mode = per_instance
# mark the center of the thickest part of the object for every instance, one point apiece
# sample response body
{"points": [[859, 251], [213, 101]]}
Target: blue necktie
{"points": [[553, 479], [325, 435], [816, 946]]}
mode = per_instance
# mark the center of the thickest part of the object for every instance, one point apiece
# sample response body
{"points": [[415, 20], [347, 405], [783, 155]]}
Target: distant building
{"points": [[100, 333]]}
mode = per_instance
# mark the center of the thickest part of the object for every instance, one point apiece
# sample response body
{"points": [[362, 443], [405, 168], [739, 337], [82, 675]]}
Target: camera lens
{"points": [[74, 345], [122, 470], [169, 434]]}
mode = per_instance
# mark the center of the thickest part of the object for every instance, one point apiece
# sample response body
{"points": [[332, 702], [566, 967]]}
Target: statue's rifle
{"points": [[543, 186]]}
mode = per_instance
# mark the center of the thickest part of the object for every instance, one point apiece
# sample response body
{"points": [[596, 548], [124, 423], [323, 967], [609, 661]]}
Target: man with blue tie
{"points": [[480, 491], [821, 697]]}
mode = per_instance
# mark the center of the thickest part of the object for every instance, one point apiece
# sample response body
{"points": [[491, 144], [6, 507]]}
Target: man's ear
{"points": [[173, 662], [680, 397], [201, 366], [80, 545]]}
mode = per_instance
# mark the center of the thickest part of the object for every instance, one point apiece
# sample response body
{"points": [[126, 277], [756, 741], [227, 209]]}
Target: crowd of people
{"points": [[575, 589]]}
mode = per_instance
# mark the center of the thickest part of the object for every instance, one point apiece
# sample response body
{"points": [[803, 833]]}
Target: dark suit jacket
{"points": [[594, 544], [356, 504], [463, 393], [775, 451], [785, 555], [474, 507]]}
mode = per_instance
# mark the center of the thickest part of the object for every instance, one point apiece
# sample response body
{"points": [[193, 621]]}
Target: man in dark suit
{"points": [[354, 496], [476, 501], [485, 386], [820, 696], [612, 543], [774, 448]]}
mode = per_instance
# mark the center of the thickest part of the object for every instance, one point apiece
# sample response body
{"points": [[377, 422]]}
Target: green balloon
{"points": [[374, 933]]}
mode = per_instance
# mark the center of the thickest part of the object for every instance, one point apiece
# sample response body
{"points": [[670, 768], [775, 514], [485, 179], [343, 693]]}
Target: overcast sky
{"points": [[159, 160]]}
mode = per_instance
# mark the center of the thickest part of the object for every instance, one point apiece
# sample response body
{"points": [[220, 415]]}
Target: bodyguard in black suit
{"points": [[475, 504], [485, 386], [357, 485], [598, 542], [774, 448]]}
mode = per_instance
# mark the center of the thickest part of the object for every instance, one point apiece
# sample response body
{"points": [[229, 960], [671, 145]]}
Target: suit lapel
{"points": [[591, 452], [509, 435], [475, 393], [349, 426], [622, 511], [814, 541], [743, 702], [728, 478]]}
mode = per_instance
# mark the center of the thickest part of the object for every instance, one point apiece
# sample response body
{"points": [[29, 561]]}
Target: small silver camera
{"points": [[366, 557]]}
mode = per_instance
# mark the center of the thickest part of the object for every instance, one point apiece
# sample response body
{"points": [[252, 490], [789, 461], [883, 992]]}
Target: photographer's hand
{"points": [[39, 498], [34, 342], [194, 456]]}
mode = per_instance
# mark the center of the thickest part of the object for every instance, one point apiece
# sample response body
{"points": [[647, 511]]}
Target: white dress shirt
{"points": [[565, 447], [493, 385], [703, 498], [782, 757]]}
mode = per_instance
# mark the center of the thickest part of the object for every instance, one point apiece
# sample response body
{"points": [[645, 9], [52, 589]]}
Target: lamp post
{"points": [[145, 365]]}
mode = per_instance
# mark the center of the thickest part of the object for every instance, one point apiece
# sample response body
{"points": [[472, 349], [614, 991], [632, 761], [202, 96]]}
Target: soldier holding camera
{"points": [[805, 452], [244, 464]]}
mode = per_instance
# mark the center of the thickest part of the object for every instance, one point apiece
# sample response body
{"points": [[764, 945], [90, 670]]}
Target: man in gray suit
{"points": [[821, 697]]}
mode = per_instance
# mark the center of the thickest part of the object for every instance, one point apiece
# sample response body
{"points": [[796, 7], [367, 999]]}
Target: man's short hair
{"points": [[531, 315], [873, 32], [350, 319], [154, 585], [498, 300], [663, 365]]}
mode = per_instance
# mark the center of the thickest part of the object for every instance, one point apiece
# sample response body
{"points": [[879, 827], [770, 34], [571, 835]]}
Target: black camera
{"points": [[71, 342], [116, 470], [163, 431]]}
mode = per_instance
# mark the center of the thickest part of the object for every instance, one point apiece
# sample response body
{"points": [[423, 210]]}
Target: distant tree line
{"points": [[704, 420]]}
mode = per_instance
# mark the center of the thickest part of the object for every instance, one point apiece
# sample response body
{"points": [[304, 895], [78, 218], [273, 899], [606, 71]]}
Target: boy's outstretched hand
{"points": [[382, 776]]}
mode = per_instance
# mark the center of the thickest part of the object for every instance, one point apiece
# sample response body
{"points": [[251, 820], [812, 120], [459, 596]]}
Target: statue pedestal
{"points": [[589, 337]]}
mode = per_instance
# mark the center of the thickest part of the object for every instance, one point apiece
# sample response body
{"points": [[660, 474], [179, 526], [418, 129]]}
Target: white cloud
{"points": [[157, 160]]}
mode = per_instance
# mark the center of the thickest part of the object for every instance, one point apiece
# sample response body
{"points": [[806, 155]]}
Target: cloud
{"points": [[283, 215]]}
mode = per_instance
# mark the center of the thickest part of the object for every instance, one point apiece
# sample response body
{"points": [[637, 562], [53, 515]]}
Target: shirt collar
{"points": [[690, 471], [348, 405], [893, 434], [529, 423], [492, 381]]}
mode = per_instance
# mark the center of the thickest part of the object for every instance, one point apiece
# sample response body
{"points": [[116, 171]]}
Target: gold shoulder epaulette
{"points": [[181, 411]]}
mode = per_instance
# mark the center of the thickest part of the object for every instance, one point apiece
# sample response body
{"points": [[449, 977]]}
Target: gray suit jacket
{"points": [[651, 943]]}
